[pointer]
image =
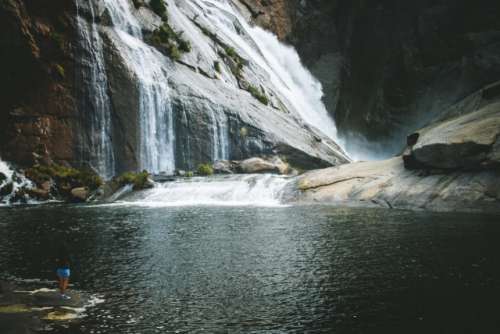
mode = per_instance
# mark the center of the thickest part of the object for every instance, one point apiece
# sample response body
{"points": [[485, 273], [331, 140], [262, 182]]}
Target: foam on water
{"points": [[236, 190]]}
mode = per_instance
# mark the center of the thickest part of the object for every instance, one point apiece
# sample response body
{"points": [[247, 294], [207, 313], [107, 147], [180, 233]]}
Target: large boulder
{"points": [[80, 194], [259, 165], [463, 142]]}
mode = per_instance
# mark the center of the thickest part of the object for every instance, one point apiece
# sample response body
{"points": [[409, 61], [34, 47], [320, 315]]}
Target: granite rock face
{"points": [[449, 166], [463, 141], [388, 184]]}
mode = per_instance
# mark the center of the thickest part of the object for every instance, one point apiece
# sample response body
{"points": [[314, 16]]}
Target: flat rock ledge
{"points": [[34, 311], [389, 184]]}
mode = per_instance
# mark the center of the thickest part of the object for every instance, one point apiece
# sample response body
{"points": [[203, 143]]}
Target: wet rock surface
{"points": [[34, 311]]}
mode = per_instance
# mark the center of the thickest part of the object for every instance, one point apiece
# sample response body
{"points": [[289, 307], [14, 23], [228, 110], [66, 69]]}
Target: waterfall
{"points": [[11, 182], [301, 91], [156, 119], [95, 105], [220, 134], [233, 190]]}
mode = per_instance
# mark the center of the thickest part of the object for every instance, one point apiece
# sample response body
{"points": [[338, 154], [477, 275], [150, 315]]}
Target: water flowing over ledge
{"points": [[234, 190]]}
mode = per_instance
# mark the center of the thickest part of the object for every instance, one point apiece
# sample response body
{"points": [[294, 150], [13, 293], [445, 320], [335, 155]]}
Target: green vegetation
{"points": [[57, 38], [3, 177], [258, 94], [217, 66], [170, 42], [60, 70], [158, 6], [237, 59], [138, 3], [205, 169], [189, 174], [138, 180], [65, 177]]}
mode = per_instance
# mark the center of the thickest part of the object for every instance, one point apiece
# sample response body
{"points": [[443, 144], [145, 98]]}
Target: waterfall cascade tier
{"points": [[148, 65], [94, 104], [234, 190], [170, 115], [281, 65]]}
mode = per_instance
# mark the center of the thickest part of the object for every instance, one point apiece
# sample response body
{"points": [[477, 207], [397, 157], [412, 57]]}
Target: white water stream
{"points": [[12, 181], [96, 103], [233, 190], [281, 63], [155, 111]]}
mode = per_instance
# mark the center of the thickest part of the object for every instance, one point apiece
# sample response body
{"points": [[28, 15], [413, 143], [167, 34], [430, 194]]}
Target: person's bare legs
{"points": [[63, 284]]}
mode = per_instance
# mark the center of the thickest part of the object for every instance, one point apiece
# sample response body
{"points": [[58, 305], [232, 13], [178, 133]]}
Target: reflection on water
{"points": [[266, 270]]}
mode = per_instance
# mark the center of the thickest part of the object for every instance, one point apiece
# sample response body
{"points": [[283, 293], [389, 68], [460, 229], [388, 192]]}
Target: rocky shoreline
{"points": [[452, 165]]}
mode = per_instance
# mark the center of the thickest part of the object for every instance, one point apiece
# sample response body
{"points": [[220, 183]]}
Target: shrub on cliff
{"points": [[138, 180], [205, 169], [158, 6], [258, 94], [170, 42]]}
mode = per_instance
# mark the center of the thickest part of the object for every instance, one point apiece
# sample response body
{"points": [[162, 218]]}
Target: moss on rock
{"points": [[138, 180], [64, 177], [205, 169]]}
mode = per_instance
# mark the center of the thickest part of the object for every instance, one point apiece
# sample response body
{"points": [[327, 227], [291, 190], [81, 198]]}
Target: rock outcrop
{"points": [[464, 142], [450, 166], [388, 184]]}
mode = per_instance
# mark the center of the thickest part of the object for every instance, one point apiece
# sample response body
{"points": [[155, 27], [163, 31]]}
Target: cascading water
{"points": [[220, 135], [156, 119], [233, 190], [301, 91], [10, 183], [95, 105]]}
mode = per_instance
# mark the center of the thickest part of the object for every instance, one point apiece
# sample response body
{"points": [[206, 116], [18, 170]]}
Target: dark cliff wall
{"points": [[389, 67], [37, 109]]}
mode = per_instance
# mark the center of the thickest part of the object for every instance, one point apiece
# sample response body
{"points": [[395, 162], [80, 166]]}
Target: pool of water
{"points": [[263, 270]]}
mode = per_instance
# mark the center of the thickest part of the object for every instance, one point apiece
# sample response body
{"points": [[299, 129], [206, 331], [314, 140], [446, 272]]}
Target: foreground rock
{"points": [[388, 184], [33, 311]]}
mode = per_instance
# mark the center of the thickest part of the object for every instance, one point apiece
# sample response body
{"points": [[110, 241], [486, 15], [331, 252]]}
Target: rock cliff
{"points": [[37, 108], [105, 85], [390, 67]]}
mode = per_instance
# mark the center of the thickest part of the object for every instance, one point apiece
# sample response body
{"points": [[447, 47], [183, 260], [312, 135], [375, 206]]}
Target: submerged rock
{"points": [[31, 311]]}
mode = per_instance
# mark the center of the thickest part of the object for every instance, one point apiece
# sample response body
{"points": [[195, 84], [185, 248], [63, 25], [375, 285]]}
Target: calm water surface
{"points": [[264, 270]]}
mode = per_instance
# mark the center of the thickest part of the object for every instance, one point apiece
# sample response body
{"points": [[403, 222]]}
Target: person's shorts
{"points": [[63, 273]]}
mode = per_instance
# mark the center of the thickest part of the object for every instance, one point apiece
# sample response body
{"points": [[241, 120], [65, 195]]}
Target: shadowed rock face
{"points": [[37, 108], [389, 67]]}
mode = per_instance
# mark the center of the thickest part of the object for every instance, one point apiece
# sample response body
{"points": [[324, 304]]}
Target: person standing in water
{"points": [[63, 273]]}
